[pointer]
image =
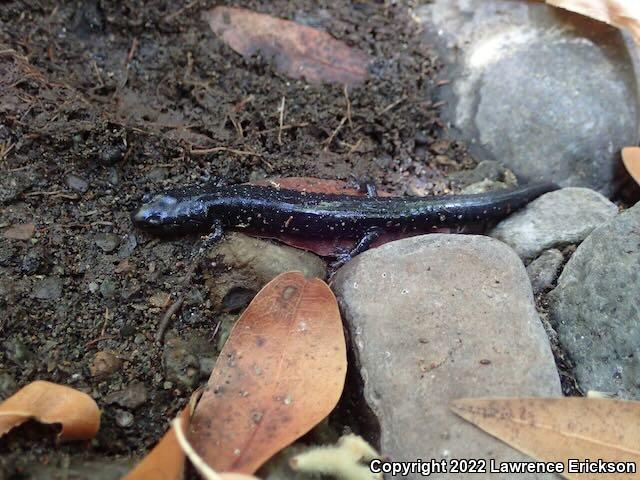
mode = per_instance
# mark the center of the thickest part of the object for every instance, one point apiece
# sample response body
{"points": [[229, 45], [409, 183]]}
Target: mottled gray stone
{"points": [[49, 288], [543, 271], [556, 218], [435, 318], [596, 307], [107, 242], [547, 92]]}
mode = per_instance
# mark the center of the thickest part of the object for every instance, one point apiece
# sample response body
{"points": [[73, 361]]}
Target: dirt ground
{"points": [[102, 102]]}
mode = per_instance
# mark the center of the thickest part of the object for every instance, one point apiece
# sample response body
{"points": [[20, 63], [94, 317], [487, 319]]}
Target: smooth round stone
{"points": [[438, 317], [549, 93]]}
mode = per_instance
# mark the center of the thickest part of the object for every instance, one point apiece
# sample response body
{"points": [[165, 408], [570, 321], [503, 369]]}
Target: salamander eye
{"points": [[146, 198]]}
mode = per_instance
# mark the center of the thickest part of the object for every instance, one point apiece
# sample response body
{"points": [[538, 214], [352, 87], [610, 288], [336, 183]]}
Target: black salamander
{"points": [[272, 211]]}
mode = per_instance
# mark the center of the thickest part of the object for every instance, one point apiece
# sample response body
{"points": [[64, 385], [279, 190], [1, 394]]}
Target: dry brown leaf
{"points": [[50, 403], [167, 459], [22, 231], [299, 51], [557, 429], [619, 13], [631, 160], [280, 373]]}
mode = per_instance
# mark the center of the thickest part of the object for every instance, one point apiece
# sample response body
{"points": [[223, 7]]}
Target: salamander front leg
{"points": [[212, 238], [363, 245]]}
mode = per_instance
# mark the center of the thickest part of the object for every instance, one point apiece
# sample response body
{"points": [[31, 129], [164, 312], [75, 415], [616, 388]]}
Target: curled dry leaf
{"points": [[50, 403], [299, 51], [557, 429], [620, 13], [280, 372], [631, 160]]}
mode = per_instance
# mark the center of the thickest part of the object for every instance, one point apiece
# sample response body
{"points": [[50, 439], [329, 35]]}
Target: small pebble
{"points": [[74, 182], [104, 363], [128, 246], [108, 288], [124, 419], [131, 397], [107, 242], [543, 271], [49, 288]]}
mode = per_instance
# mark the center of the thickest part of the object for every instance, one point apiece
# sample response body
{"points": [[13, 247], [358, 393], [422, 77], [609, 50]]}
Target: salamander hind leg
{"points": [[363, 245]]}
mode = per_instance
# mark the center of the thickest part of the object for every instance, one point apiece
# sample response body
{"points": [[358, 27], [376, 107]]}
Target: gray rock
{"points": [[251, 263], [550, 93], [556, 218], [124, 419], [439, 317], [181, 365], [128, 246], [486, 170], [596, 307], [74, 182], [543, 271], [483, 186], [8, 385], [49, 288], [134, 395], [107, 242]]}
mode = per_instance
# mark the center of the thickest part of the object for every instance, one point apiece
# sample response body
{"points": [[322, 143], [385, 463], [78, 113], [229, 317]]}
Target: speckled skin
{"points": [[272, 211]]}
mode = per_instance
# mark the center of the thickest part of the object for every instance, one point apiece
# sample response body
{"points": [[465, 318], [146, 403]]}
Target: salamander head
{"points": [[166, 214]]}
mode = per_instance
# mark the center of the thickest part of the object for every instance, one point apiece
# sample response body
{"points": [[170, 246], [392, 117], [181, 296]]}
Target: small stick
{"points": [[334, 133], [207, 151], [171, 16], [355, 147], [132, 50], [392, 105], [284, 127], [175, 308], [346, 96], [281, 122], [166, 318]]}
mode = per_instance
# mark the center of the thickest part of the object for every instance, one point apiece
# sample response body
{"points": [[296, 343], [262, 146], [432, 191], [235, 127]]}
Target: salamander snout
{"points": [[158, 213]]}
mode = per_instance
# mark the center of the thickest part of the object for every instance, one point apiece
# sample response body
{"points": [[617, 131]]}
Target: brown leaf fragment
{"points": [[165, 461], [280, 372], [631, 160], [299, 51], [22, 231], [619, 13], [50, 403], [559, 429]]}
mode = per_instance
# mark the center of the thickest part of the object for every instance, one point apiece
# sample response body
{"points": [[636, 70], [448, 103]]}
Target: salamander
{"points": [[272, 211]]}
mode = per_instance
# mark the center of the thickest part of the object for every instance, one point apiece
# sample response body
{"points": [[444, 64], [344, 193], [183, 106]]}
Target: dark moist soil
{"points": [[102, 102]]}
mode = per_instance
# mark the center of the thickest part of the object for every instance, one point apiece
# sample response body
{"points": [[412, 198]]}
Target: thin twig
{"points": [[392, 105], [175, 308], [346, 96], [54, 194], [281, 121], [178, 12], [334, 133], [207, 151], [284, 127], [166, 318]]}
